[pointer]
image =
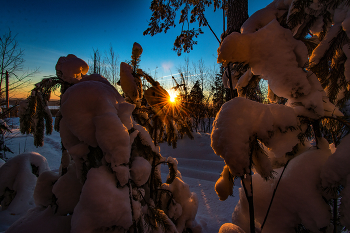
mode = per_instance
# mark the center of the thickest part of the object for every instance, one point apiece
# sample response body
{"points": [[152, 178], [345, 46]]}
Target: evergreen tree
{"points": [[196, 104], [106, 155], [307, 43], [153, 110], [219, 92], [196, 94]]}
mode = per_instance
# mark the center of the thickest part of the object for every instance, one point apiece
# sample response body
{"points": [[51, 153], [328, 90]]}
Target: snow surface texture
{"points": [[41, 219], [199, 166], [17, 183]]}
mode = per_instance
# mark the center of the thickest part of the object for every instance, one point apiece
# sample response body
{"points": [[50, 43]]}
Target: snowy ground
{"points": [[199, 166]]}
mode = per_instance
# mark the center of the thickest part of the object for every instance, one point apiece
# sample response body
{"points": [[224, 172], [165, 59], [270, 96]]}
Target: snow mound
{"points": [[17, 183]]}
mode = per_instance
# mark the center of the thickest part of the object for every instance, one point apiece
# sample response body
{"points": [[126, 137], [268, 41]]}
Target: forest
{"points": [[276, 109]]}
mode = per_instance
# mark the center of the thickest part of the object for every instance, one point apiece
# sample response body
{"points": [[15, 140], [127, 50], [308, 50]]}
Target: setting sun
{"points": [[173, 95]]}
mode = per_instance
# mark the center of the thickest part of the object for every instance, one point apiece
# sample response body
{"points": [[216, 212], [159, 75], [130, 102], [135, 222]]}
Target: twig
{"points": [[250, 198], [335, 214], [273, 195], [344, 122], [250, 203], [206, 21], [230, 79]]}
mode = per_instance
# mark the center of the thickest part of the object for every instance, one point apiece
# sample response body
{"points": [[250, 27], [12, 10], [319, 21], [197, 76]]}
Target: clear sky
{"points": [[48, 29]]}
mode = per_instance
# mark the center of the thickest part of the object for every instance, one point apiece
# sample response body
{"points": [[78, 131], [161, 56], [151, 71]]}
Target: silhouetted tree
{"points": [[164, 14], [11, 60], [196, 105]]}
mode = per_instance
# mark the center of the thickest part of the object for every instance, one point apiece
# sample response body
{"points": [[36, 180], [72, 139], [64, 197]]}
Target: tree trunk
{"points": [[7, 91], [237, 14]]}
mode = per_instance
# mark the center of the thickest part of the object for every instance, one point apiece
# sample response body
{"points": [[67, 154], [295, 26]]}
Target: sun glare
{"points": [[172, 95]]}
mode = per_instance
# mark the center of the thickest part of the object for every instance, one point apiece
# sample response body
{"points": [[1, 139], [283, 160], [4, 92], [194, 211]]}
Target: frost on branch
{"points": [[271, 124]]}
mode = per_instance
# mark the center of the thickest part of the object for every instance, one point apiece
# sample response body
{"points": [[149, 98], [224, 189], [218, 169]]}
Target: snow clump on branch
{"points": [[71, 68], [271, 124]]}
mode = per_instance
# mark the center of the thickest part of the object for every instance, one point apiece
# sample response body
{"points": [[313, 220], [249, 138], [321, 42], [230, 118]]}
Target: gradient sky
{"points": [[48, 29]]}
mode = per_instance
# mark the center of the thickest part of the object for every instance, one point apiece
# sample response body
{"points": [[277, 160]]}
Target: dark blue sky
{"points": [[48, 29]]}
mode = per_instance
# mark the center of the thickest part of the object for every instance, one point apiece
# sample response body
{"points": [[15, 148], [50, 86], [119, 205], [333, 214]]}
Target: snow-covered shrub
{"points": [[300, 48], [17, 183], [109, 179], [336, 172], [298, 197]]}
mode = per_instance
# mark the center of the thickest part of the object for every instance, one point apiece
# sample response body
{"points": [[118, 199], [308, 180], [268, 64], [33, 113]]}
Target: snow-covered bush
{"points": [[109, 179], [17, 183], [300, 48]]}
